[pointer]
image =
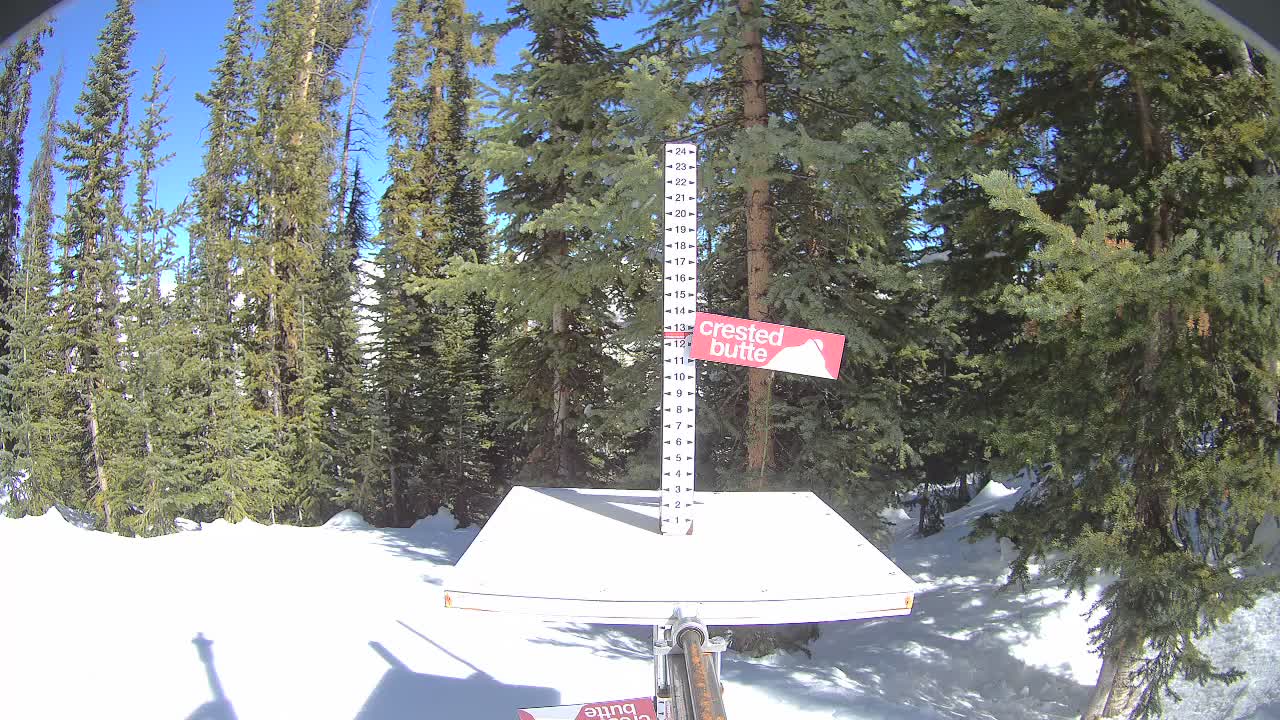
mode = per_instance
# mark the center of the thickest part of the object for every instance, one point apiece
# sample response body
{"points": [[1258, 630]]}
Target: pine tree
{"points": [[235, 450], [1144, 367], [93, 146], [157, 483], [21, 62], [345, 409], [35, 382], [463, 452], [438, 427], [293, 160], [552, 153], [812, 222]]}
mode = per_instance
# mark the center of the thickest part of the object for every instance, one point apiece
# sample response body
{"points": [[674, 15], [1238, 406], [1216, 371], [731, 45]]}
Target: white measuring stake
{"points": [[679, 301]]}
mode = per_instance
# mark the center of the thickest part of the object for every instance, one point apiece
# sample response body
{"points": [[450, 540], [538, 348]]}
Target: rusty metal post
{"points": [[705, 691]]}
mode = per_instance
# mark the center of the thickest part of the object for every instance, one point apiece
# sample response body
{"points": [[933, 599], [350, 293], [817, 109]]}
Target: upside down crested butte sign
{"points": [[634, 709]]}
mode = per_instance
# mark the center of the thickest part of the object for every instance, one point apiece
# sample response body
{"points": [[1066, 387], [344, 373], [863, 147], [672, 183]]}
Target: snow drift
{"points": [[347, 621]]}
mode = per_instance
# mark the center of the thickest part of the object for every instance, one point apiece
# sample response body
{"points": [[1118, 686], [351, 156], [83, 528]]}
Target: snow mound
{"points": [[60, 516], [994, 490], [186, 525], [442, 520], [895, 515], [77, 518], [348, 520]]}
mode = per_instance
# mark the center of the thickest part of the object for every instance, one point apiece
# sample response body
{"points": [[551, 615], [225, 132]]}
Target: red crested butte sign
{"points": [[764, 345], [636, 709]]}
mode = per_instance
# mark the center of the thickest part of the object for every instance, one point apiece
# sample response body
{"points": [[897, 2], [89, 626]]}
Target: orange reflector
{"points": [[908, 601], [448, 601]]}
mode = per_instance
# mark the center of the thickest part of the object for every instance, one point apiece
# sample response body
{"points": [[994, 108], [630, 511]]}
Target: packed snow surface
{"points": [[347, 621]]}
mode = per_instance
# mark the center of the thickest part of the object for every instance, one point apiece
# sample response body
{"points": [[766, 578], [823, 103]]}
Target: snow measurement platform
{"points": [[668, 558]]}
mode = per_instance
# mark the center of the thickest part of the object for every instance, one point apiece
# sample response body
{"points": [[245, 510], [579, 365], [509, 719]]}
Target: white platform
{"points": [[753, 559]]}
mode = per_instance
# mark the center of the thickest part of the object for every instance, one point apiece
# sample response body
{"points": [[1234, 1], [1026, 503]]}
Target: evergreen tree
{"points": [[43, 439], [21, 62], [437, 427], [293, 160], [156, 483], [345, 409], [235, 449], [552, 155], [1144, 365], [93, 146], [463, 451], [805, 195]]}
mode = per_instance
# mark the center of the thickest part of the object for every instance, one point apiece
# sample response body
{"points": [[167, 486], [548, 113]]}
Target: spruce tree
{"points": [[1144, 367], [437, 427], [93, 146], [21, 62], [552, 155], [463, 451], [812, 226], [235, 449], [345, 411], [295, 137], [36, 468], [156, 482]]}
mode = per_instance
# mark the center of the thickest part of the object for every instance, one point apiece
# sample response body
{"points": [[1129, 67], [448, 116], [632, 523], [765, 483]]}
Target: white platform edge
{"points": [[773, 612]]}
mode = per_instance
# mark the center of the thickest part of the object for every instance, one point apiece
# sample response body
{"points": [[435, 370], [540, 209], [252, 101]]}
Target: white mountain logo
{"points": [[805, 359]]}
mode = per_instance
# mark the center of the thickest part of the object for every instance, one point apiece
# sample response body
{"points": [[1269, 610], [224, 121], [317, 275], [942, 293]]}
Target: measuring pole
{"points": [[679, 301]]}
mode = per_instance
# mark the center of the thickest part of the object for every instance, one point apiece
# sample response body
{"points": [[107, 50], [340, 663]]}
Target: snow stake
{"points": [[679, 303]]}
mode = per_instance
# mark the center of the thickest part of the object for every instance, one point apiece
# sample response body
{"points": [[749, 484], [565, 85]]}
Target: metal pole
{"points": [[705, 692]]}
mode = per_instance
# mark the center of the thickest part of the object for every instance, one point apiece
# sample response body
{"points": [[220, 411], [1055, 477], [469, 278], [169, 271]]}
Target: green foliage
{"points": [[34, 377], [1145, 363], [87, 314], [837, 151], [233, 450], [346, 406], [155, 484], [434, 431], [21, 62], [575, 143]]}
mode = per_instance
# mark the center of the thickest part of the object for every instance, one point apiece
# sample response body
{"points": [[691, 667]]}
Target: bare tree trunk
{"points": [[304, 79], [396, 500], [95, 447], [759, 231], [1114, 695], [286, 324], [562, 433], [277, 384], [346, 135]]}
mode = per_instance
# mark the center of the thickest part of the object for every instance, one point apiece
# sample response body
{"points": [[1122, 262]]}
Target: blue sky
{"points": [[188, 34]]}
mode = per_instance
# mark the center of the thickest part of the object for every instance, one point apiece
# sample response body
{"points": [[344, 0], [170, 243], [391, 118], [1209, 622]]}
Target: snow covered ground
{"points": [[346, 621]]}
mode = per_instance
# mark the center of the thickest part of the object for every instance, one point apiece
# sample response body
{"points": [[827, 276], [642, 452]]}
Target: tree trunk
{"points": [[759, 231], [304, 79], [95, 449], [277, 383], [396, 499], [346, 134], [288, 363], [562, 433], [1114, 695]]}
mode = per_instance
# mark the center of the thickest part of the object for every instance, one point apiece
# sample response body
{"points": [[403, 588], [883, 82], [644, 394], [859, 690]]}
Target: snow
{"points": [[347, 520], [347, 621]]}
